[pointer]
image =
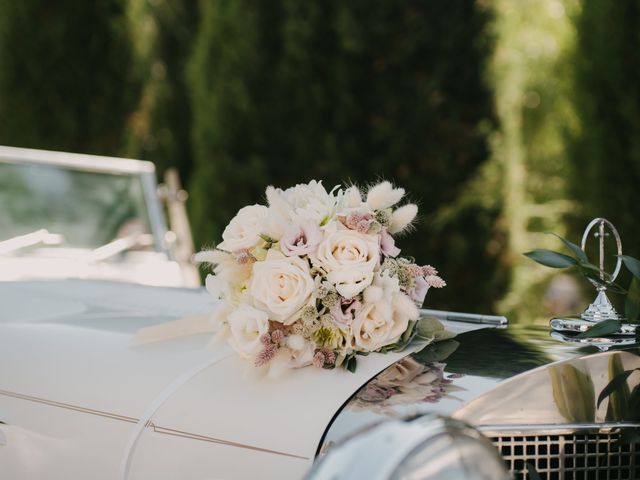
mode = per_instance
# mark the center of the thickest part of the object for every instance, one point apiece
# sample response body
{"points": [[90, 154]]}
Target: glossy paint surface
{"points": [[74, 391]]}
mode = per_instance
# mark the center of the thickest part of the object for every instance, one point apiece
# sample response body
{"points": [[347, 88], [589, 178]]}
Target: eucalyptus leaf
{"points": [[606, 327], [632, 264], [591, 267], [595, 277], [632, 302], [552, 259], [575, 249], [430, 328]]}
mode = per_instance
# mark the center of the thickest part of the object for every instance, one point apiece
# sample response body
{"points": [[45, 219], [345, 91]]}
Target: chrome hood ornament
{"points": [[601, 308]]}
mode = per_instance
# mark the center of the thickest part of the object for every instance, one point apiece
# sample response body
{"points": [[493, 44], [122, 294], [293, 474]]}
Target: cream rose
{"points": [[281, 286], [404, 310], [244, 229], [246, 326], [372, 327], [349, 258]]}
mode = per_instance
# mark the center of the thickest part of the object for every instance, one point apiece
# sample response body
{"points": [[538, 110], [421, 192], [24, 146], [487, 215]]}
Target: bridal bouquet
{"points": [[315, 277]]}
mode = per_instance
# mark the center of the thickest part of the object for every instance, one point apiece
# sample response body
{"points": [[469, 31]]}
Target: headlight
{"points": [[422, 448]]}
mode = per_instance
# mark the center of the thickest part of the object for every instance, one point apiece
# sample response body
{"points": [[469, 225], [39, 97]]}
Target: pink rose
{"points": [[300, 239]]}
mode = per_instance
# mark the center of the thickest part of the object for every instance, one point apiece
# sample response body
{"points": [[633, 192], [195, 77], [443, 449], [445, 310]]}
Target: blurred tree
{"points": [[66, 80], [606, 150], [531, 74], [286, 91], [160, 128]]}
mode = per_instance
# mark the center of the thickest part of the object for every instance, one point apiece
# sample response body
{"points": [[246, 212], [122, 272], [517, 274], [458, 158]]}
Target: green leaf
{"points": [[632, 302], [606, 327], [575, 249], [616, 383], [351, 364], [552, 259], [593, 274], [430, 328], [632, 264]]}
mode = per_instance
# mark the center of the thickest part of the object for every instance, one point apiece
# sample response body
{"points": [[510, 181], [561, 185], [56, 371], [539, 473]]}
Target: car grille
{"points": [[570, 455]]}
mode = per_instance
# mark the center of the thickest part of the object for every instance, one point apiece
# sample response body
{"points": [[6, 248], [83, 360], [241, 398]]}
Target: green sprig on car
{"points": [[577, 259]]}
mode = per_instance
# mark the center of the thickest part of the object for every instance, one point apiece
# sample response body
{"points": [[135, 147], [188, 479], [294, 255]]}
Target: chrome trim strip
{"points": [[79, 161], [555, 427], [466, 317], [156, 428], [67, 406], [204, 438]]}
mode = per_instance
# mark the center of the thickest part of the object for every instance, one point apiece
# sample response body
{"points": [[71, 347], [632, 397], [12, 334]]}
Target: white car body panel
{"points": [[73, 388]]}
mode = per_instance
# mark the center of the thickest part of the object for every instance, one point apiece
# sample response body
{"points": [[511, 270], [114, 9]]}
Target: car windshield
{"points": [[68, 207]]}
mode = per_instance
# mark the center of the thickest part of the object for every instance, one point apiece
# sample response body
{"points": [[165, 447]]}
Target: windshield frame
{"points": [[144, 170]]}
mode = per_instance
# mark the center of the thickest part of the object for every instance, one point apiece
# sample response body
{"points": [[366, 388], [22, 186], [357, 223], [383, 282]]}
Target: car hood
{"points": [[68, 344], [445, 377]]}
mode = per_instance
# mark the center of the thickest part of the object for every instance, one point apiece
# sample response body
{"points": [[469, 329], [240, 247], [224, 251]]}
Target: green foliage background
{"points": [[605, 153], [66, 75], [502, 119], [283, 92]]}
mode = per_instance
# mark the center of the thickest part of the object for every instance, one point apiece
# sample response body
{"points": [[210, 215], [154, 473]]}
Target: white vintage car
{"points": [[66, 215], [79, 398], [93, 387]]}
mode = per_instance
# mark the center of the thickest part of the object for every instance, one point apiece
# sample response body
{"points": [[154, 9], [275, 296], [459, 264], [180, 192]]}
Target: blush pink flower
{"points": [[361, 222], [428, 270], [419, 290], [435, 281], [388, 244], [344, 311], [318, 359], [300, 239]]}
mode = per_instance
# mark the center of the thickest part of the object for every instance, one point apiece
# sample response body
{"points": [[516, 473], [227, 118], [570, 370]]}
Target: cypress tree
{"points": [[160, 128], [65, 78], [286, 91], [606, 152]]}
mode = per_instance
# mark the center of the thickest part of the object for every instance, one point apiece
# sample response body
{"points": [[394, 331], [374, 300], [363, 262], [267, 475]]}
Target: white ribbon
{"points": [[164, 395]]}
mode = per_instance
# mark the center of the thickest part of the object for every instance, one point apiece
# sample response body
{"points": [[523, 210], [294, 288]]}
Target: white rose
{"points": [[246, 326], [303, 202], [349, 258], [281, 286], [372, 327], [244, 229]]}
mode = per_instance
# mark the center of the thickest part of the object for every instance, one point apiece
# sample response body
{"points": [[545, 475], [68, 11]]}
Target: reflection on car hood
{"points": [[445, 376]]}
